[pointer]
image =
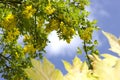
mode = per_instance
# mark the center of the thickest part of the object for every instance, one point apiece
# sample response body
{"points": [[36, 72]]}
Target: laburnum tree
{"points": [[32, 21]]}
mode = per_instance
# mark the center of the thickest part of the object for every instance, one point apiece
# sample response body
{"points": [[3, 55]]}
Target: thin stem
{"points": [[88, 59], [6, 59], [35, 28]]}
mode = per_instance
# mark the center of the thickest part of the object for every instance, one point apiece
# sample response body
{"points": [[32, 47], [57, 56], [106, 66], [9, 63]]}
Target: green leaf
{"points": [[79, 51], [96, 42]]}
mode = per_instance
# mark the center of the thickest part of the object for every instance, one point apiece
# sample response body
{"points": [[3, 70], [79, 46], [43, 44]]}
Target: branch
{"points": [[88, 59], [7, 59]]}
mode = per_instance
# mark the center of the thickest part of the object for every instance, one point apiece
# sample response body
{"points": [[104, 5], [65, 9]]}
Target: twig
{"points": [[88, 59], [6, 58]]}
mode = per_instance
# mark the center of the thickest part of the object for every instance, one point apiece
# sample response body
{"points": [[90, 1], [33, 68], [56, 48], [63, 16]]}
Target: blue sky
{"points": [[107, 12]]}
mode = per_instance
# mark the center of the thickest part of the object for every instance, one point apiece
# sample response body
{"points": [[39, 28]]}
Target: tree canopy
{"points": [[32, 21]]}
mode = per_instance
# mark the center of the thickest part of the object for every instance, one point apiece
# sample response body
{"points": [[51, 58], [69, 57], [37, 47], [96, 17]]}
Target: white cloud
{"points": [[60, 47]]}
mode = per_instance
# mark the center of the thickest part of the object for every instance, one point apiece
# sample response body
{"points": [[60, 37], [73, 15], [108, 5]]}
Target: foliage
{"points": [[34, 20], [107, 68]]}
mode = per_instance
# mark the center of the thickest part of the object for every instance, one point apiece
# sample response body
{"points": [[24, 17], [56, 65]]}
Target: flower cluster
{"points": [[29, 48], [9, 26], [66, 32], [49, 9], [53, 25], [29, 11], [9, 22], [12, 35], [86, 34]]}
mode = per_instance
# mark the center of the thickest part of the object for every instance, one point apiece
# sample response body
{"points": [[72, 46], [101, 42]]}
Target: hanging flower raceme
{"points": [[29, 11], [9, 22], [86, 34], [53, 25], [12, 35], [49, 9], [29, 48], [11, 32]]}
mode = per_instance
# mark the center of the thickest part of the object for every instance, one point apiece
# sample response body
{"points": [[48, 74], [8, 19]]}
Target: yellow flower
{"points": [[28, 8], [53, 25], [9, 37], [72, 31], [40, 22], [86, 34], [49, 10], [9, 17], [27, 37], [29, 48], [16, 53], [16, 32], [9, 22], [12, 35], [68, 40], [29, 11], [61, 24]]}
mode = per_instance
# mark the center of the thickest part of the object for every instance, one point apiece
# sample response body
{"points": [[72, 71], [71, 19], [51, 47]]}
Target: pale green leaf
{"points": [[43, 71], [79, 51], [67, 66], [56, 75], [114, 42], [78, 71]]}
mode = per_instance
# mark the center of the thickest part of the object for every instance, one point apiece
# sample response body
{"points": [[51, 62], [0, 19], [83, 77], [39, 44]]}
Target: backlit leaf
{"points": [[114, 42]]}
